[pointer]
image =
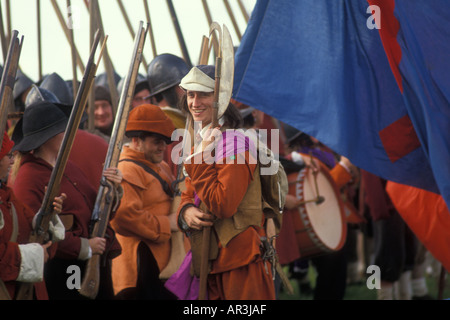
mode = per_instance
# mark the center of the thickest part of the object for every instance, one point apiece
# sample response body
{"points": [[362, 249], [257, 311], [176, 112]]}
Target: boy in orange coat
{"points": [[143, 222]]}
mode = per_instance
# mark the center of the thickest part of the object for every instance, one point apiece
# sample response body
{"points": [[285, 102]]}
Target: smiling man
{"points": [[103, 113], [143, 222]]}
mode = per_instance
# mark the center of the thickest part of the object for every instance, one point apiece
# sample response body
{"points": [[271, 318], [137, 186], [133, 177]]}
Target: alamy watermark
{"points": [[73, 17], [74, 278], [224, 146], [374, 280], [374, 21]]}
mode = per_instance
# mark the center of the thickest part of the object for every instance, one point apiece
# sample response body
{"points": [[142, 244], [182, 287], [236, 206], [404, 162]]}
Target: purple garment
{"points": [[233, 143], [326, 157], [182, 283]]}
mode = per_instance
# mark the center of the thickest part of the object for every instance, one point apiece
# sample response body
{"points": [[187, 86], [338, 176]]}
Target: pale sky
{"points": [[56, 53]]}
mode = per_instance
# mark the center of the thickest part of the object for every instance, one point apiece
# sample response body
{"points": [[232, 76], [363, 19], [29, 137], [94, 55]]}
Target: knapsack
{"points": [[274, 184]]}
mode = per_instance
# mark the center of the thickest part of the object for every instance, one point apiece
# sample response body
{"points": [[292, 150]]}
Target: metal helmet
{"points": [[21, 84], [69, 84], [141, 83], [40, 94], [165, 71], [102, 80], [58, 86]]}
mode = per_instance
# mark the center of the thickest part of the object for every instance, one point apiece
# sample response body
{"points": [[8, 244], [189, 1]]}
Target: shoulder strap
{"points": [[164, 184]]}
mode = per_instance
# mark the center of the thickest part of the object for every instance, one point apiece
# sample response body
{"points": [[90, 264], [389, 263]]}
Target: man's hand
{"points": [[197, 219]]}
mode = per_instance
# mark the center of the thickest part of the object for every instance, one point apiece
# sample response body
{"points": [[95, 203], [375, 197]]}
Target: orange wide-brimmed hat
{"points": [[149, 118]]}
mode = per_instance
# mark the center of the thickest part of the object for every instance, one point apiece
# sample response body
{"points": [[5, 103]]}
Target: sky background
{"points": [[56, 52]]}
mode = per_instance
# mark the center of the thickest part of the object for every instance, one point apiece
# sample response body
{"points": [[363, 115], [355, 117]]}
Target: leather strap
{"points": [[164, 184]]}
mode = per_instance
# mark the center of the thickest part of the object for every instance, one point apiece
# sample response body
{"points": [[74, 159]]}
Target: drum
{"points": [[320, 225]]}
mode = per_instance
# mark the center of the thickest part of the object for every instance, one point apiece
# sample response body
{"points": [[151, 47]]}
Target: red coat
{"points": [[29, 186], [89, 153], [10, 259], [34, 174]]}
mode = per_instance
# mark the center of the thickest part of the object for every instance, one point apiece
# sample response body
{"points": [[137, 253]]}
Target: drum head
{"points": [[326, 218]]}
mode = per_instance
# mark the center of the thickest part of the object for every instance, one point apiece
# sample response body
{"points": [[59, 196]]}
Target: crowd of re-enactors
{"points": [[152, 248]]}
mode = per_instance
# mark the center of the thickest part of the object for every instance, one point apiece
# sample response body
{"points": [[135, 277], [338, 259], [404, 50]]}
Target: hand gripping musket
{"points": [[8, 80], [46, 212], [107, 195], [6, 96], [224, 75]]}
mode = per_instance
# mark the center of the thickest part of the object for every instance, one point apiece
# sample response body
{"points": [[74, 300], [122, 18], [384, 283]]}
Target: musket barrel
{"points": [[25, 291], [8, 79], [106, 195]]}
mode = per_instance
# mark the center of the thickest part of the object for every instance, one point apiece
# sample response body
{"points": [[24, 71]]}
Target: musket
{"points": [[46, 212], [106, 196], [8, 79], [6, 94]]}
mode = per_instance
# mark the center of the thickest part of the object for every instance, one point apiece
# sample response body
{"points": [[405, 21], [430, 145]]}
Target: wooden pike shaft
{"points": [[150, 29], [180, 37], [243, 10], [39, 41], [209, 19], [67, 33], [74, 57], [3, 40], [206, 233], [107, 59], [233, 19], [130, 28]]}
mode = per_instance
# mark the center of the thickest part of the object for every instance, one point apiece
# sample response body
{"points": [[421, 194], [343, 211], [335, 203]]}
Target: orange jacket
{"points": [[142, 216]]}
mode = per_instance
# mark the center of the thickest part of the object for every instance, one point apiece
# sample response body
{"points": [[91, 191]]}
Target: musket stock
{"points": [[106, 196], [46, 212]]}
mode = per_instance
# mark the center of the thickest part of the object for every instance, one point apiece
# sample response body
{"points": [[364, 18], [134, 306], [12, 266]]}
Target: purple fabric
{"points": [[197, 200], [326, 157], [182, 283], [233, 143]]}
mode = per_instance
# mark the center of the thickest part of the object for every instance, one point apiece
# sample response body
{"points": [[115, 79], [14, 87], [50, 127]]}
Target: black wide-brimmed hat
{"points": [[41, 121]]}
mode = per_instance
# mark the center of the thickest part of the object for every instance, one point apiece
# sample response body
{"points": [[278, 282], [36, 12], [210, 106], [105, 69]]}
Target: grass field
{"points": [[360, 291]]}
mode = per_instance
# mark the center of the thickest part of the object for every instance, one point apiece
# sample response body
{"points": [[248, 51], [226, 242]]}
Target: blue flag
{"points": [[369, 79]]}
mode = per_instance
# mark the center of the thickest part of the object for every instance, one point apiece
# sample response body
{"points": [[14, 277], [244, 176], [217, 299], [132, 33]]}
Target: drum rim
{"points": [[305, 218]]}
